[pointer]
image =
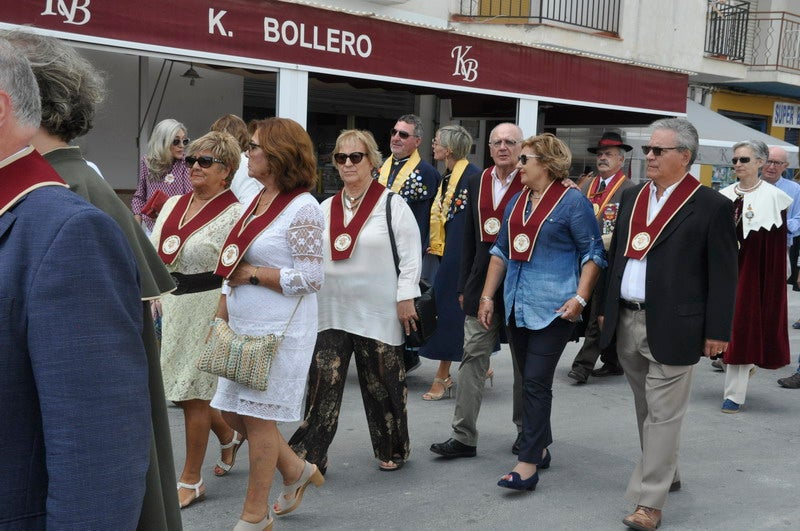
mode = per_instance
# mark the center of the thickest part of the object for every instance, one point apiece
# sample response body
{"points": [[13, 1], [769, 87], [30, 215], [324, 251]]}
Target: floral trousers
{"points": [[382, 378]]}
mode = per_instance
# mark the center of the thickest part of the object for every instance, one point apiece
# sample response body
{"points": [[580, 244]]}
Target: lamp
{"points": [[191, 74]]}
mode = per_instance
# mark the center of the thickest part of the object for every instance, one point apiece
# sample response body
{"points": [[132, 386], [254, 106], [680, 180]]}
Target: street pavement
{"points": [[739, 472]]}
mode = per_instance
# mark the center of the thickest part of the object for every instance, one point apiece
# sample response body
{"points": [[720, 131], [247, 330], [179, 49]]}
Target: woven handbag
{"points": [[241, 358]]}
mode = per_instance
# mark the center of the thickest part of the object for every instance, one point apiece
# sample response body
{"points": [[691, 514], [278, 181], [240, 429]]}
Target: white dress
{"points": [[292, 243]]}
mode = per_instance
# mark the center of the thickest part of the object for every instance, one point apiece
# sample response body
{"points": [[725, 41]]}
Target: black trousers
{"points": [[794, 252]]}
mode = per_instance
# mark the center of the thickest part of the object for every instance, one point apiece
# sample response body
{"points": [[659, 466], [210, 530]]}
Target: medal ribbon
{"points": [[402, 176], [518, 225], [651, 231], [601, 199], [24, 174], [486, 208], [174, 226], [352, 229], [244, 232]]}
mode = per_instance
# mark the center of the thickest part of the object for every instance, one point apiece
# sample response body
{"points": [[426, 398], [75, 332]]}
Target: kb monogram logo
{"points": [[466, 68], [78, 8]]}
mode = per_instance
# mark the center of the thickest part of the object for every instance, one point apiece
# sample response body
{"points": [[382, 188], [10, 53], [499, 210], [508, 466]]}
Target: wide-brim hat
{"points": [[610, 139]]}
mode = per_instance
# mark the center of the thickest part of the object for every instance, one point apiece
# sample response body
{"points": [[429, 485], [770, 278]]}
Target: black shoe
{"points": [[608, 370], [675, 486], [580, 375], [515, 446], [453, 448]]}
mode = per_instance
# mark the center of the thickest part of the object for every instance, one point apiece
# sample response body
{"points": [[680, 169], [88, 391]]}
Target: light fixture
{"points": [[191, 74]]}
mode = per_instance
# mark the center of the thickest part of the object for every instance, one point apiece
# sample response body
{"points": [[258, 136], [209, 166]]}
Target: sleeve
{"points": [[586, 233], [140, 195], [407, 239], [793, 216], [469, 246], [305, 241], [89, 364], [723, 271]]}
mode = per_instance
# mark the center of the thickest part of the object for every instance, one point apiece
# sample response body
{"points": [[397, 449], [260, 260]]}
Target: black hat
{"points": [[610, 139]]}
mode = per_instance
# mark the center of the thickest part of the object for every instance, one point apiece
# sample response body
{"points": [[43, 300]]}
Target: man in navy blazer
{"points": [[73, 373], [670, 291]]}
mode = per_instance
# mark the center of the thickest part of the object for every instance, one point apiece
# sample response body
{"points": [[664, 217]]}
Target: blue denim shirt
{"points": [[568, 238]]}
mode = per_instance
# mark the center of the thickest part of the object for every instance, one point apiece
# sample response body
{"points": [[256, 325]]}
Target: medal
{"points": [[749, 214], [640, 241], [168, 178], [596, 208], [230, 255], [491, 226], [171, 244], [521, 243], [342, 242]]}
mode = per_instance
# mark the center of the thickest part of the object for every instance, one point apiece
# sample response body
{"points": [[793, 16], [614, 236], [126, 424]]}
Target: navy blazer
{"points": [[73, 373]]}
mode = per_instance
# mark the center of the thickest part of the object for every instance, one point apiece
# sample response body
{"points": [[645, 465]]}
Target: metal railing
{"points": [[776, 42], [726, 29], [600, 15]]}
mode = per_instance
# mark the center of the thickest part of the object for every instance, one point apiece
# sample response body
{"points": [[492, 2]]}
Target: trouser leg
{"points": [[736, 379]]}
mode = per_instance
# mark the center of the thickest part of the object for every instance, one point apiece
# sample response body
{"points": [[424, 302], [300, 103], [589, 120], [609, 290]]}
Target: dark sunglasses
{"points": [[341, 158], [178, 142], [657, 151], [401, 134], [205, 161], [524, 158], [743, 160]]}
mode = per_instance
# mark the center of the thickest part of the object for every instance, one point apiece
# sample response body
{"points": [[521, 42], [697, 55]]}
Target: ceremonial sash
{"points": [[489, 215], [522, 233], [599, 201], [175, 232], [401, 176], [26, 171], [344, 237], [244, 232], [439, 210], [642, 235]]}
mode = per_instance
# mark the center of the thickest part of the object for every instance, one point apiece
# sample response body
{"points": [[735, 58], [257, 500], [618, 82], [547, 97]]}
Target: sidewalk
{"points": [[739, 472]]}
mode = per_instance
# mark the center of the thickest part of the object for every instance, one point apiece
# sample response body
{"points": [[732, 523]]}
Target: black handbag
{"points": [[425, 304]]}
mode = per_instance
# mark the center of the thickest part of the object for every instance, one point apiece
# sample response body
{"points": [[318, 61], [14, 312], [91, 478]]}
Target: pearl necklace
{"points": [[741, 191]]}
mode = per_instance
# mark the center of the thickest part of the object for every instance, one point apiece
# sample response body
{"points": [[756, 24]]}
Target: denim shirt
{"points": [[569, 237]]}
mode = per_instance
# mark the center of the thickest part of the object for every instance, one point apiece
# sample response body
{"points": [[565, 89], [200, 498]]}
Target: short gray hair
{"points": [[456, 139], [759, 148], [17, 79], [687, 136], [414, 120]]}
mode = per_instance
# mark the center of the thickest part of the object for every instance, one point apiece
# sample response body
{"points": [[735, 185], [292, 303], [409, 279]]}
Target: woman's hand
{"points": [[571, 310], [407, 315], [241, 275], [485, 312], [155, 309]]}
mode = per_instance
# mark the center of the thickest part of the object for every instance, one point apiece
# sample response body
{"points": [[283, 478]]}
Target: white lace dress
{"points": [[292, 243], [187, 317]]}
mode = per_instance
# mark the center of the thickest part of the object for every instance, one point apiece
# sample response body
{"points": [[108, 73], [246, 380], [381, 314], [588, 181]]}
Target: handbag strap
{"points": [[391, 232], [296, 306]]}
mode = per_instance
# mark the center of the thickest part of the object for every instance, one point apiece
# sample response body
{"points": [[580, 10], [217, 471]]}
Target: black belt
{"points": [[632, 305], [196, 283]]}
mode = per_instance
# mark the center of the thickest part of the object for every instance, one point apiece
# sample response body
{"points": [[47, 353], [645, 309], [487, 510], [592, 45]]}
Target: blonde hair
{"points": [[553, 154], [365, 137]]}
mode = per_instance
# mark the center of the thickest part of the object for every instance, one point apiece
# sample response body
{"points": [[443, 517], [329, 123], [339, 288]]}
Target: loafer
{"points": [[729, 406], [517, 442], [718, 364], [643, 519], [580, 375], [796, 325], [790, 382], [675, 486], [608, 370], [452, 448]]}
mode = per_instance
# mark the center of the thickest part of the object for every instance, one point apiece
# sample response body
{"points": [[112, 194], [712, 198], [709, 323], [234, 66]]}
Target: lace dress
{"points": [[187, 317], [292, 243]]}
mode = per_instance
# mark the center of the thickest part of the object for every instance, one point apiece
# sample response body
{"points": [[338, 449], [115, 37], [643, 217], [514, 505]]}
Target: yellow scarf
{"points": [[402, 176], [440, 208]]}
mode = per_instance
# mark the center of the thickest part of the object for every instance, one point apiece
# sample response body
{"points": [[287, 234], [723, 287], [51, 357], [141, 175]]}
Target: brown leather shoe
{"points": [[643, 519]]}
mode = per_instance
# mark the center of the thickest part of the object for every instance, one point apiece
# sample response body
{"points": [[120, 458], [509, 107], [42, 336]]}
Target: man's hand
{"points": [[714, 347]]}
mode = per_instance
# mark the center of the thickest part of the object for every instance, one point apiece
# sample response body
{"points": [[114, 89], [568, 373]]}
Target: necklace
{"points": [[741, 191], [351, 203]]}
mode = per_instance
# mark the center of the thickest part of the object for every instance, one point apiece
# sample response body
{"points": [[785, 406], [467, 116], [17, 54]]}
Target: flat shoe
{"points": [[198, 495], [222, 467], [391, 465], [513, 481], [292, 495]]}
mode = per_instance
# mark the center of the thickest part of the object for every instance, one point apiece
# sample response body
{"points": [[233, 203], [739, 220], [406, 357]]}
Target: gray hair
{"points": [[456, 139], [159, 157], [687, 136], [17, 79], [759, 148], [414, 120], [71, 88]]}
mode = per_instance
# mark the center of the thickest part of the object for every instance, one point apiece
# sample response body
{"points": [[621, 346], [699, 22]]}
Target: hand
{"points": [[570, 310], [461, 302], [569, 183], [714, 347], [407, 315], [485, 312], [600, 320], [155, 309], [241, 275]]}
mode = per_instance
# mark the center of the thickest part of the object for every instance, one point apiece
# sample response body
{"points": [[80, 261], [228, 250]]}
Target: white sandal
{"points": [[292, 495], [198, 496], [263, 525], [235, 444]]}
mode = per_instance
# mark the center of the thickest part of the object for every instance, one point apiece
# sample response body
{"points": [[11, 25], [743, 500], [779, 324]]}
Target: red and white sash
{"points": [[522, 233], [489, 216], [343, 238], [23, 173], [600, 200]]}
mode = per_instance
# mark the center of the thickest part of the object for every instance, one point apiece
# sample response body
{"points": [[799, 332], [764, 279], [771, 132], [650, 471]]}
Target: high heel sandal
{"points": [[292, 495], [447, 387], [263, 525], [222, 467], [490, 377], [198, 496]]}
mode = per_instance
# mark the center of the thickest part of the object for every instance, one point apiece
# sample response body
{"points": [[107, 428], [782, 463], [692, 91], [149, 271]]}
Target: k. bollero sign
{"points": [[293, 34]]}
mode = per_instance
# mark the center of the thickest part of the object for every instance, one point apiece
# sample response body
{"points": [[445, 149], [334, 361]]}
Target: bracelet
{"points": [[487, 298], [581, 300]]}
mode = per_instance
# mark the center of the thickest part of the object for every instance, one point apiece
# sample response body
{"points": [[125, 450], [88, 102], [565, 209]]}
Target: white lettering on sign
{"points": [[786, 115], [330, 40], [466, 68], [215, 23], [71, 12]]}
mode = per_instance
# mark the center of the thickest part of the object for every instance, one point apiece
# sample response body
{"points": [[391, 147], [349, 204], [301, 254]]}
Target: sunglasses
{"points": [[657, 151], [355, 157], [524, 158], [205, 161], [401, 134], [178, 141], [743, 160]]}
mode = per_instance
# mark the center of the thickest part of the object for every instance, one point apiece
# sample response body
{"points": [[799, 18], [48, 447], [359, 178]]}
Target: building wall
{"points": [[751, 104]]}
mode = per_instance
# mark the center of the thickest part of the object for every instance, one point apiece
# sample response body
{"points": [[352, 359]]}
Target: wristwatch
{"points": [[254, 278]]}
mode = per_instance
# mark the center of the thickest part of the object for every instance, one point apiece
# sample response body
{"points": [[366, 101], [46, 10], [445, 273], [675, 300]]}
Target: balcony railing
{"points": [[776, 42], [600, 15], [726, 29]]}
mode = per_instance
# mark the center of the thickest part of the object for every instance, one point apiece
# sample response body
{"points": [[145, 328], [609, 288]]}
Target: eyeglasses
{"points": [[497, 144], [524, 158], [355, 157], [179, 141], [657, 151], [401, 134], [743, 160], [775, 162], [205, 161]]}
